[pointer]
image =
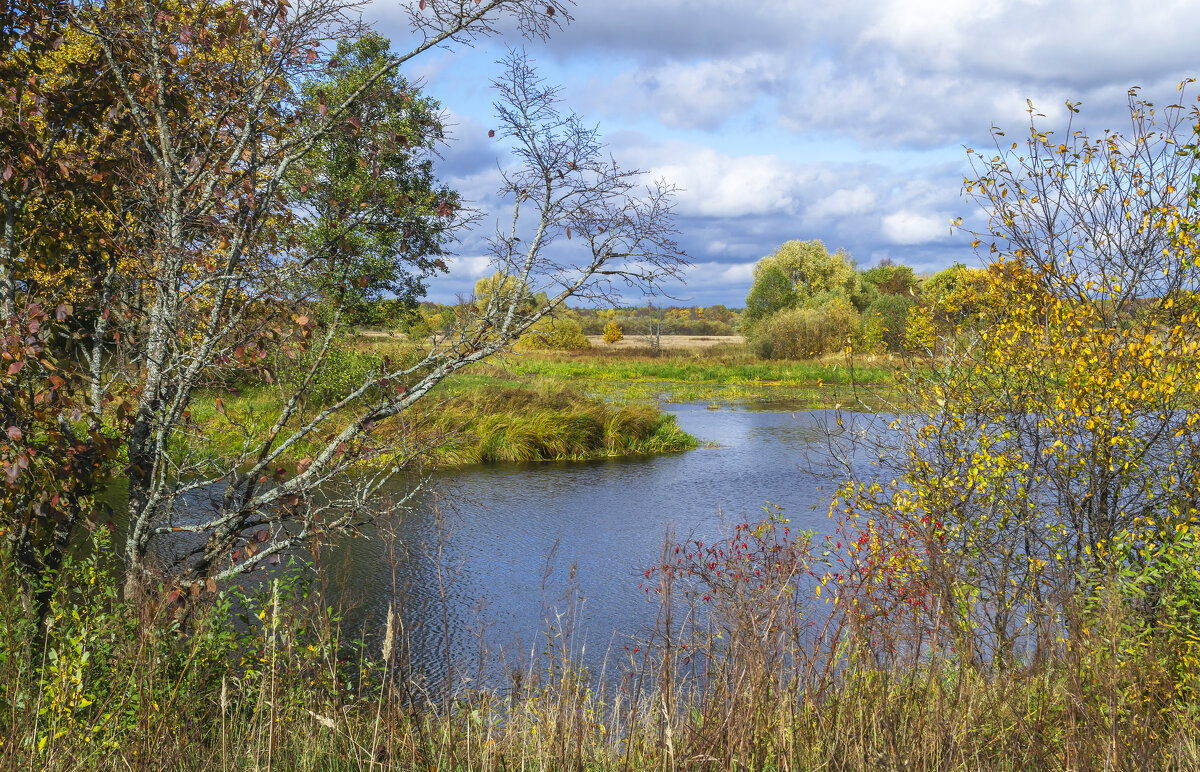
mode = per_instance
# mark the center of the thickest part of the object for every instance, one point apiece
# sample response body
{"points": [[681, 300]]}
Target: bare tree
{"points": [[219, 285]]}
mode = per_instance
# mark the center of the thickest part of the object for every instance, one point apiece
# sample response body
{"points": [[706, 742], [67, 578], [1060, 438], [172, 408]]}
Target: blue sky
{"points": [[843, 121]]}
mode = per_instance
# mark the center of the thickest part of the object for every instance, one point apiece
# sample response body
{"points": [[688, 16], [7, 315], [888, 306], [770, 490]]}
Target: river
{"points": [[521, 542]]}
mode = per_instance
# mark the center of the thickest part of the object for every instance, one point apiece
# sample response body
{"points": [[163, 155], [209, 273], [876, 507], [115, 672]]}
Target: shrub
{"points": [[549, 333], [613, 332], [803, 333]]}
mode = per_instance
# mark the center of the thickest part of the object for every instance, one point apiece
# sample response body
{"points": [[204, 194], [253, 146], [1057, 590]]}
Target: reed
{"points": [[746, 669]]}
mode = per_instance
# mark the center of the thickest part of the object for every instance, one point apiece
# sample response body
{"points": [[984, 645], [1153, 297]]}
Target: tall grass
{"points": [[478, 417], [523, 424], [746, 669]]}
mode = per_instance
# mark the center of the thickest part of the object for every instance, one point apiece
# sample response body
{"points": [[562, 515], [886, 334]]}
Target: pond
{"points": [[520, 542]]}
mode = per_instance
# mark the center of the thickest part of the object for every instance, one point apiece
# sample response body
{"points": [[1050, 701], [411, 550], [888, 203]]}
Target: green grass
{"points": [[472, 418], [498, 423], [546, 405], [689, 371], [727, 373]]}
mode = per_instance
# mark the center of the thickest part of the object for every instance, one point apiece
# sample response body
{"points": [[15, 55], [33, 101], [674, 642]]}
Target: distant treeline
{"points": [[805, 302], [424, 318]]}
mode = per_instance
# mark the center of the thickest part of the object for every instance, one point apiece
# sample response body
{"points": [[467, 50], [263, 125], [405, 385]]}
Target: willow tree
{"points": [[800, 273]]}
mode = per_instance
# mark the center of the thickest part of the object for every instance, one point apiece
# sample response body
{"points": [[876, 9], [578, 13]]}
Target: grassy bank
{"points": [[728, 372], [486, 414], [547, 405], [490, 423], [770, 679]]}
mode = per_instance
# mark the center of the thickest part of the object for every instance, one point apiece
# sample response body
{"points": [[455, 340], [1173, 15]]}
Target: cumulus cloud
{"points": [[717, 185], [893, 73], [914, 228], [844, 201]]}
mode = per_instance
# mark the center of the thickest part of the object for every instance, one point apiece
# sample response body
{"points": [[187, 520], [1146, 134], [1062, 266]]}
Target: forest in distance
{"points": [[219, 361]]}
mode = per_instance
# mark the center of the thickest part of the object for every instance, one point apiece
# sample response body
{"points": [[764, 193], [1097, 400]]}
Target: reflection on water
{"points": [[515, 538]]}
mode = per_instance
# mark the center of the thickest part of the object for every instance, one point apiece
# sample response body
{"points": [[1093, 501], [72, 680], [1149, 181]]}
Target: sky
{"points": [[844, 121]]}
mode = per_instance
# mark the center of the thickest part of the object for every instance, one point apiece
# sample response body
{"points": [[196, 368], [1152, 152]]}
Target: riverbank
{"points": [[471, 419], [550, 405]]}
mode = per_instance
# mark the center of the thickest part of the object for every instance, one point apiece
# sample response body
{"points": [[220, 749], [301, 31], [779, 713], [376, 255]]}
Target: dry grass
{"points": [[745, 670], [667, 342]]}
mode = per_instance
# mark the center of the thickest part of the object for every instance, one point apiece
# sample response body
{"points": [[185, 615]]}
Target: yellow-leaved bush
{"points": [[1034, 491]]}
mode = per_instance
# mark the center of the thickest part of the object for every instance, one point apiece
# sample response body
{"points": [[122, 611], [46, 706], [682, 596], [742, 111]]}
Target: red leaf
{"points": [[491, 133], [62, 312], [220, 406], [16, 367], [303, 465], [15, 434], [422, 5], [309, 57], [7, 172], [355, 122], [262, 535]]}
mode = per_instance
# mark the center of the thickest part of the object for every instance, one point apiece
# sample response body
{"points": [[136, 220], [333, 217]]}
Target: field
{"points": [[667, 342]]}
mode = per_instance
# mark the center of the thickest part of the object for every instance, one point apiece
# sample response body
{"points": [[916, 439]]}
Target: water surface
{"points": [[516, 538]]}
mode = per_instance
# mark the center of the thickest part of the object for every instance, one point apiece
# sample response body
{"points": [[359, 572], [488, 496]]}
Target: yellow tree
{"points": [[1061, 417]]}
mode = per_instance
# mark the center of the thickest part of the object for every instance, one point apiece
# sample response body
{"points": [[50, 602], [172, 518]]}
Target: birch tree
{"points": [[213, 290]]}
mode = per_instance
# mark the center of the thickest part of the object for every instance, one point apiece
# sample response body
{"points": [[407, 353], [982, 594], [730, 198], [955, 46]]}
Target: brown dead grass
{"points": [[668, 342]]}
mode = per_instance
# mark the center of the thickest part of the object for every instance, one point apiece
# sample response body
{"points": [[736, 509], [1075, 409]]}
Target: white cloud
{"points": [[721, 274], [469, 268], [844, 201], [907, 228], [882, 93], [717, 185]]}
